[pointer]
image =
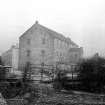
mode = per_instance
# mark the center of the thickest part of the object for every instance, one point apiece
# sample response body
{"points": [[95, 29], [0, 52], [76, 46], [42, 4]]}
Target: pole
{"points": [[52, 73], [42, 66]]}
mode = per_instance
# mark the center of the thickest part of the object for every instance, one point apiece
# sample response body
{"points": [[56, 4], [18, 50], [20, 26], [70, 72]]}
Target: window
{"points": [[28, 41], [57, 53], [43, 40], [76, 56], [43, 53], [28, 53], [60, 54]]}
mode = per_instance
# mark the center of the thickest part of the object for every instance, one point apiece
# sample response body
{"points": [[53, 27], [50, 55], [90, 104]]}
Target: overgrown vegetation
{"points": [[1, 62], [2, 71], [13, 87], [90, 77], [92, 74]]}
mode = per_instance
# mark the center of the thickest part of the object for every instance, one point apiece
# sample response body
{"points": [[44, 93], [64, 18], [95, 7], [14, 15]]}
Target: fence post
{"points": [[52, 73], [42, 69], [27, 71]]}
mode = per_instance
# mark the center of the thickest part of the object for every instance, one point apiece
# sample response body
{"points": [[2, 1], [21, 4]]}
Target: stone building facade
{"points": [[11, 57], [40, 44]]}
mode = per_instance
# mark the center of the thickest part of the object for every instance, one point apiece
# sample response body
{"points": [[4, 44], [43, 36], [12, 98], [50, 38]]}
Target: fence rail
{"points": [[15, 101]]}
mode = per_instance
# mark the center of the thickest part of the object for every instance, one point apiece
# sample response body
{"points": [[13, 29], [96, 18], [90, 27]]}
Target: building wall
{"points": [[39, 51], [7, 57], [15, 57], [10, 57], [40, 44]]}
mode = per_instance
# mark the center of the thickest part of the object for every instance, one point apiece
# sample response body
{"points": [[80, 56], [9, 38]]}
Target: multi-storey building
{"points": [[40, 44], [11, 56]]}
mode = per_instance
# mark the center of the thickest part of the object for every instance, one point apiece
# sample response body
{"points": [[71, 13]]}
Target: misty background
{"points": [[81, 20]]}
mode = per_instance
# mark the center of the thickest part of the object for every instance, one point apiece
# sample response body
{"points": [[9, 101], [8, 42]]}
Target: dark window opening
{"points": [[43, 41], [28, 52], [43, 52], [28, 41]]}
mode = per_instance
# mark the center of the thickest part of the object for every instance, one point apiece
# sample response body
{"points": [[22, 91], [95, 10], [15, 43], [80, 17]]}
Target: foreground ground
{"points": [[47, 96]]}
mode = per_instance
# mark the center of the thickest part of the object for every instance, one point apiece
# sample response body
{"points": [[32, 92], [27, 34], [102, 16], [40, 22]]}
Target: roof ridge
{"points": [[58, 35], [51, 32]]}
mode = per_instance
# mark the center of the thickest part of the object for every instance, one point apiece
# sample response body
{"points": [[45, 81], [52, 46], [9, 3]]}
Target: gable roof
{"points": [[51, 32], [31, 28]]}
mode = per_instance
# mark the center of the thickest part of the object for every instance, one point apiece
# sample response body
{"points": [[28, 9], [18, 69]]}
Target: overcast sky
{"points": [[82, 20]]}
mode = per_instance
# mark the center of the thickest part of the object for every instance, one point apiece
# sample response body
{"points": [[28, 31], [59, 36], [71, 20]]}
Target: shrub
{"points": [[92, 74]]}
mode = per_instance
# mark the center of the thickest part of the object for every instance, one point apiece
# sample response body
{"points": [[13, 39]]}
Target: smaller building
{"points": [[10, 57], [75, 55]]}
